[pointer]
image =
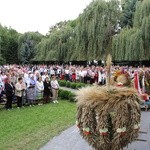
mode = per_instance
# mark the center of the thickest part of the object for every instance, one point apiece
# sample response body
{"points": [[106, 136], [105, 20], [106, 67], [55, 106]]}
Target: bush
{"points": [[71, 97], [64, 94], [83, 84], [73, 85], [67, 95], [59, 91], [68, 84], [78, 85], [62, 83]]}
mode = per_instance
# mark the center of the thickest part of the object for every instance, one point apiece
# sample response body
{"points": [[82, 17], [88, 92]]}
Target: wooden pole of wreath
{"points": [[108, 63]]}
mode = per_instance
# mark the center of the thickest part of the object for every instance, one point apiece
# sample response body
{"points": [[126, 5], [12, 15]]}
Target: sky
{"points": [[38, 15]]}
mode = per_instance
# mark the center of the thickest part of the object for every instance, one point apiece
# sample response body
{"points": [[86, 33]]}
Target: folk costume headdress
{"points": [[103, 115]]}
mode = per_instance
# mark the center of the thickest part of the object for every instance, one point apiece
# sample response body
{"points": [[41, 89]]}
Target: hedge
{"points": [[67, 95], [68, 84], [72, 85], [62, 83]]}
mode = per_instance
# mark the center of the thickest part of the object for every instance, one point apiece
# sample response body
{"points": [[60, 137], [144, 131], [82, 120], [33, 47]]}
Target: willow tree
{"points": [[134, 44], [58, 44], [86, 38], [95, 29]]}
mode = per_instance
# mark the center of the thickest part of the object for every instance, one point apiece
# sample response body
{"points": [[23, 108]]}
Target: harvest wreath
{"points": [[108, 117], [108, 120]]}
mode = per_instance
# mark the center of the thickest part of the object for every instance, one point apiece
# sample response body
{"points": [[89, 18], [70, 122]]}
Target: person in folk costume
{"points": [[103, 113], [47, 90], [9, 90], [55, 88], [39, 89], [147, 81], [141, 90], [37, 75], [20, 87], [31, 90]]}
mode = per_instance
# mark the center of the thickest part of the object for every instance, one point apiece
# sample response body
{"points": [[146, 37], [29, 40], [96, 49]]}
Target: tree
{"points": [[128, 10], [133, 44], [27, 46], [8, 45], [88, 37]]}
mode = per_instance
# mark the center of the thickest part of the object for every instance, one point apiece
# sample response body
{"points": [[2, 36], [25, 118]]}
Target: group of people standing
{"points": [[37, 83], [30, 89]]}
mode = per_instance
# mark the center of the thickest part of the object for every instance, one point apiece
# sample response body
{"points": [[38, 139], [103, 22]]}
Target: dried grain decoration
{"points": [[108, 120]]}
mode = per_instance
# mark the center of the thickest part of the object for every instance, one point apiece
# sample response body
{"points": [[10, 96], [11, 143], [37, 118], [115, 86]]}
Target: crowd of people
{"points": [[38, 84]]}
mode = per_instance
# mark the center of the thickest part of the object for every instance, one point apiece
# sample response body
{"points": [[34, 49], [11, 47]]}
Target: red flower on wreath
{"points": [[103, 132], [86, 131]]}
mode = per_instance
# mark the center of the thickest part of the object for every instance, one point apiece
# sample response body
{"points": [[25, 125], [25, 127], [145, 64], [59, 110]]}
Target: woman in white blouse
{"points": [[55, 88], [39, 89]]}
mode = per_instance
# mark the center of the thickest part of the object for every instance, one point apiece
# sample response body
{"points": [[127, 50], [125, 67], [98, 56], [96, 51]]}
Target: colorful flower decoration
{"points": [[112, 114], [121, 72], [103, 132], [77, 123], [121, 131], [86, 131], [119, 84], [137, 126]]}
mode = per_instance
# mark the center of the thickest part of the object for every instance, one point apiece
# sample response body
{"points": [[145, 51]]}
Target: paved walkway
{"points": [[70, 139]]}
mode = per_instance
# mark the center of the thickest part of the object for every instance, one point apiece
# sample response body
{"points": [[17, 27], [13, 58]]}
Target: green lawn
{"points": [[32, 127]]}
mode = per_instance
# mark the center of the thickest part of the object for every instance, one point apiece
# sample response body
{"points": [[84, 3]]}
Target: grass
{"points": [[31, 128]]}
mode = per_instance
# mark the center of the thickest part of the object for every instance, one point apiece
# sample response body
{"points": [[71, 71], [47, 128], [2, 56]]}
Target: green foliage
{"points": [[62, 82], [128, 11], [80, 85], [68, 84], [73, 85], [133, 44], [27, 46], [90, 36], [8, 45], [71, 97], [64, 94], [85, 38]]}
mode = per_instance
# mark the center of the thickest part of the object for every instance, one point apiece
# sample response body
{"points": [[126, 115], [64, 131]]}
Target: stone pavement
{"points": [[70, 139]]}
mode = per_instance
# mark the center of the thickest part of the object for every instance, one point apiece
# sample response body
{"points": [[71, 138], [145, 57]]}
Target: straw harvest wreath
{"points": [[108, 117]]}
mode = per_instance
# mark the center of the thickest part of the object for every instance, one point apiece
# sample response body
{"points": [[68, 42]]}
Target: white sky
{"points": [[38, 15]]}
